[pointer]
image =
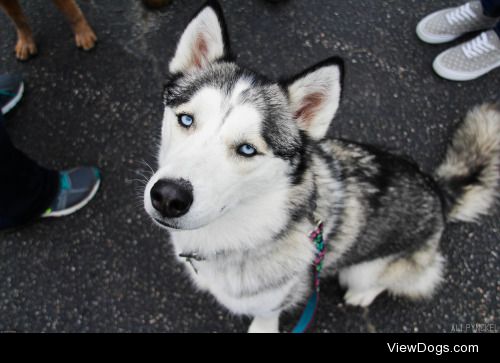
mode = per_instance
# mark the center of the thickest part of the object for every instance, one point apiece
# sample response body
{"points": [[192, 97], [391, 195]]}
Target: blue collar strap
{"points": [[307, 316]]}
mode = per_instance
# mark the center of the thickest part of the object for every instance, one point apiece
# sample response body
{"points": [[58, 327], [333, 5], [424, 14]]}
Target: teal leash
{"points": [[6, 93], [307, 317]]}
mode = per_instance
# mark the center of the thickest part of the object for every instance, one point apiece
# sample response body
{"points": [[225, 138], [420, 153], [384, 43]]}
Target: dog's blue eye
{"points": [[186, 120], [247, 150]]}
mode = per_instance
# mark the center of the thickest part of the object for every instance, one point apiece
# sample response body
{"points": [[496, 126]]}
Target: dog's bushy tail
{"points": [[470, 173]]}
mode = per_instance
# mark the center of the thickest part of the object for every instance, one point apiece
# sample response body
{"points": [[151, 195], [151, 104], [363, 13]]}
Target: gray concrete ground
{"points": [[108, 268]]}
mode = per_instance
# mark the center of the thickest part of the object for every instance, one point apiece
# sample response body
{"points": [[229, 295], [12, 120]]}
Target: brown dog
{"points": [[84, 35]]}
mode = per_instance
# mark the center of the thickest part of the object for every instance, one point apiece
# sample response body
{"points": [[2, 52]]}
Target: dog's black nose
{"points": [[172, 198]]}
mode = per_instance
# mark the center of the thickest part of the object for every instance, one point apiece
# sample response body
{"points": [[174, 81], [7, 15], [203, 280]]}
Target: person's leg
{"points": [[451, 23], [491, 8], [476, 57], [26, 189]]}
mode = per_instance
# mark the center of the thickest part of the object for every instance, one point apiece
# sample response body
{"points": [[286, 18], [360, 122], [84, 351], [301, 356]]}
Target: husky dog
{"points": [[245, 173]]}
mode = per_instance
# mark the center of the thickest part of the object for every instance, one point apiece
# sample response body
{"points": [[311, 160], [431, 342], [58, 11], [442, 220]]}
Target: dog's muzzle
{"points": [[172, 198]]}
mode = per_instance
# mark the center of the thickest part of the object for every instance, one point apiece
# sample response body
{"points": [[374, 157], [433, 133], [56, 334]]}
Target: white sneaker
{"points": [[449, 24], [470, 60]]}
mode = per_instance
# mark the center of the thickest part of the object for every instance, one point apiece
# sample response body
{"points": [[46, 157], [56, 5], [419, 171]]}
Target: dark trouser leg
{"points": [[497, 28], [26, 189], [491, 8]]}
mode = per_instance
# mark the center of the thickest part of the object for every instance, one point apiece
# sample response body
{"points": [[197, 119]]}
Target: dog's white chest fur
{"points": [[252, 282], [231, 289]]}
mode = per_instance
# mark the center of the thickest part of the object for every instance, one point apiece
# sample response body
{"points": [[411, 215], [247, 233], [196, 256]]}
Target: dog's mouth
{"points": [[164, 224], [176, 226]]}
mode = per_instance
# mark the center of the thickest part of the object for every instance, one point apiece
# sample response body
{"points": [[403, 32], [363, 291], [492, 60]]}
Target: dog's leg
{"points": [[362, 298], [363, 281], [414, 276], [268, 324], [84, 35], [417, 278], [25, 46]]}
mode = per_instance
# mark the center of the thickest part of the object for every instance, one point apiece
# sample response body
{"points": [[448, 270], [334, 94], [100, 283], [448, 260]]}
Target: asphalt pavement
{"points": [[108, 269]]}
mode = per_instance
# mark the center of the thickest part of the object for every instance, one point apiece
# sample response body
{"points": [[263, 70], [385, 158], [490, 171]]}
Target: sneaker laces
{"points": [[460, 14], [478, 46]]}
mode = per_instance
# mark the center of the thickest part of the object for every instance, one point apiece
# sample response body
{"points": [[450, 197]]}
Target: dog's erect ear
{"points": [[204, 41], [315, 96]]}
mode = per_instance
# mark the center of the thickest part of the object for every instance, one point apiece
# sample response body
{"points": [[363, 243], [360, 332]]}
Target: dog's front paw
{"points": [[264, 325], [25, 48], [361, 298], [85, 37]]}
